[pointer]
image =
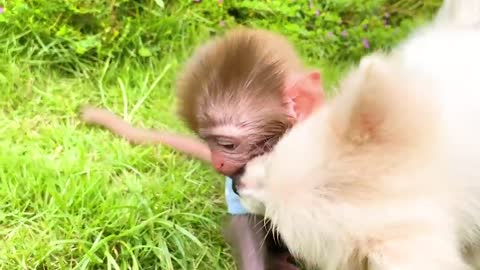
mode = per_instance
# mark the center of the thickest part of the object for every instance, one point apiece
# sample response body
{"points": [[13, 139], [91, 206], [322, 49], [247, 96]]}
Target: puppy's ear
{"points": [[373, 104]]}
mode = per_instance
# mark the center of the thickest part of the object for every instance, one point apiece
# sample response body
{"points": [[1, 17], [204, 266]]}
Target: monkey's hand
{"points": [[94, 115], [114, 123], [122, 128]]}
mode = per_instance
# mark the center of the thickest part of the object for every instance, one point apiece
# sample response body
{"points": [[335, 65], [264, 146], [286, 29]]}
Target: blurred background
{"points": [[77, 197]]}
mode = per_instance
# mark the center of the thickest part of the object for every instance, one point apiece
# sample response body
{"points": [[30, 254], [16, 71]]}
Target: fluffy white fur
{"points": [[387, 174], [459, 13]]}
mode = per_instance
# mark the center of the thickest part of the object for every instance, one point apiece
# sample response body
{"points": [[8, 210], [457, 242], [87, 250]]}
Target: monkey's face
{"points": [[229, 153], [234, 144]]}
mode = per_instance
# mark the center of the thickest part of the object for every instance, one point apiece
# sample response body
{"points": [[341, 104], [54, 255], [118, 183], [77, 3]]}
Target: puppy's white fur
{"points": [[387, 174], [458, 13]]}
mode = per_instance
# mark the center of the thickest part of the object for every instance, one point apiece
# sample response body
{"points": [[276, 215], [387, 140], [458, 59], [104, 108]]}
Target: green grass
{"points": [[74, 196]]}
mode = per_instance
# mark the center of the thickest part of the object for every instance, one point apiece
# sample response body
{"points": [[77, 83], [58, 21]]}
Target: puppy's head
{"points": [[341, 156], [250, 185], [377, 118]]}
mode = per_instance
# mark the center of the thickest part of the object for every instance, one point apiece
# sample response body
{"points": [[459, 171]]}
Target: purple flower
{"points": [[344, 33], [365, 43], [222, 23], [2, 9], [220, 1], [197, 1], [386, 21], [330, 34], [317, 12]]}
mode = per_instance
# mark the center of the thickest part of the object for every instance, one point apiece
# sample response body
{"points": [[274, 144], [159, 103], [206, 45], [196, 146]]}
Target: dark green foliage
{"points": [[336, 30], [73, 32]]}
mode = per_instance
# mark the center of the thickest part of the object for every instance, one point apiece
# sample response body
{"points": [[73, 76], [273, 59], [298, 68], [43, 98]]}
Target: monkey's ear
{"points": [[303, 94]]}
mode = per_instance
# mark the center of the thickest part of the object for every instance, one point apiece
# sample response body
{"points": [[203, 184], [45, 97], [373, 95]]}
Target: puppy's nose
{"points": [[234, 187], [236, 180]]}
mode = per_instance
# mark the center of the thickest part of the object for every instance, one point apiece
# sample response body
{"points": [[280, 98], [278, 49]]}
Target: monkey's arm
{"points": [[120, 127], [245, 236], [254, 247]]}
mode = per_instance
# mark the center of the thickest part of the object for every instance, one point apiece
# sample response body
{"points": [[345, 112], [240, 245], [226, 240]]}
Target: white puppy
{"points": [[387, 174]]}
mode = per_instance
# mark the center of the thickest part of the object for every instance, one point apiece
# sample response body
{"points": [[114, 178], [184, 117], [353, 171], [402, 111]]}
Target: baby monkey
{"points": [[239, 94]]}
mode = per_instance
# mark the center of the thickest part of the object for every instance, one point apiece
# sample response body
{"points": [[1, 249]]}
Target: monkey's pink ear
{"points": [[303, 94]]}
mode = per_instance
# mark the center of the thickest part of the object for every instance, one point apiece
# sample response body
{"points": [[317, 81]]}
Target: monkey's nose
{"points": [[218, 166]]}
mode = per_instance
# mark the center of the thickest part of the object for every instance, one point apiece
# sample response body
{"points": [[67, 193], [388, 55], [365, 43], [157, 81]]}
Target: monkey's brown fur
{"points": [[238, 79]]}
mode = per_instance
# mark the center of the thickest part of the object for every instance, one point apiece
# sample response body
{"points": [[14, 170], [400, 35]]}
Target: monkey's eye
{"points": [[228, 145]]}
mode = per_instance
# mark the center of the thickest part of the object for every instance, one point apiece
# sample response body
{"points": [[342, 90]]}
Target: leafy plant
{"points": [[74, 33]]}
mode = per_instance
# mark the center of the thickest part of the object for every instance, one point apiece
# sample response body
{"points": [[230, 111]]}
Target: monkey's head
{"points": [[241, 92]]}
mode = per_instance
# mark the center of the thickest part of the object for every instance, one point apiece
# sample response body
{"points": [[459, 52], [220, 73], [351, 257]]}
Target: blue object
{"points": [[234, 205]]}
